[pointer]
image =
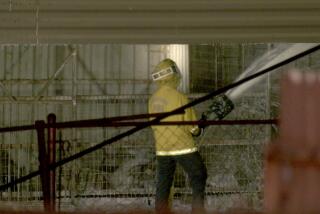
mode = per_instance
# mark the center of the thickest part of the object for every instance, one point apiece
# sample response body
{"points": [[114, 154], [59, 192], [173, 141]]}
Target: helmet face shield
{"points": [[164, 73]]}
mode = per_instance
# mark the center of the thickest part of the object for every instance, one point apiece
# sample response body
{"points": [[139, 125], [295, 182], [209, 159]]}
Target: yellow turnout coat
{"points": [[172, 140]]}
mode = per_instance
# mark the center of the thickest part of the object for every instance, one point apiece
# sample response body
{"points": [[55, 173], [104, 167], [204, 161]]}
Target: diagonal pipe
{"points": [[54, 76]]}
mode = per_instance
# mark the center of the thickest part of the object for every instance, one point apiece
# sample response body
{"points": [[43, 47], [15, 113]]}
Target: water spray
{"points": [[223, 104], [279, 53]]}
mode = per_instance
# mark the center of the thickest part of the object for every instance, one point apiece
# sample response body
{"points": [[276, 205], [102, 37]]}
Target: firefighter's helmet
{"points": [[166, 69]]}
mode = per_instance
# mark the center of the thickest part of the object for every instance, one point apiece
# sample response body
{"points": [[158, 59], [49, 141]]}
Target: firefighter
{"points": [[175, 144]]}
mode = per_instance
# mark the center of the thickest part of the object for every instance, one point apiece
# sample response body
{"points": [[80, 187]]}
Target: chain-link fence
{"points": [[122, 175]]}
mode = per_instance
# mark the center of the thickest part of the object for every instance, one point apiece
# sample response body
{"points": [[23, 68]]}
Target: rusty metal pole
{"points": [[43, 167], [51, 145]]}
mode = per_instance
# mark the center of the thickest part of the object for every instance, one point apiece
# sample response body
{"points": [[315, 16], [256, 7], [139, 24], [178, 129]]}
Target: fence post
{"points": [[51, 145], [43, 167]]}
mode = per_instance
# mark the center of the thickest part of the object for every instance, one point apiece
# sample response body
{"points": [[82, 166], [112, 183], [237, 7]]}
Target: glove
{"points": [[198, 131]]}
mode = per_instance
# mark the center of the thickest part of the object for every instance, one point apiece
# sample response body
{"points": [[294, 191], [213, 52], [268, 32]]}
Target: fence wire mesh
{"points": [[19, 156], [121, 176]]}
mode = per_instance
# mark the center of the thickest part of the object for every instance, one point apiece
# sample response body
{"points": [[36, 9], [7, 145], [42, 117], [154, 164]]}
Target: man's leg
{"points": [[197, 173], [165, 172]]}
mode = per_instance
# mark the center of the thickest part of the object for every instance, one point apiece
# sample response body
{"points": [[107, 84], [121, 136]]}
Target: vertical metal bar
{"points": [[51, 154], [5, 148], [60, 170], [33, 62], [268, 99], [74, 117], [134, 78], [74, 78], [105, 113], [43, 163], [10, 173], [120, 77]]}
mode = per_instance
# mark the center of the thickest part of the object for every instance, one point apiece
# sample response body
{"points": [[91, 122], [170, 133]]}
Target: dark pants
{"points": [[193, 165]]}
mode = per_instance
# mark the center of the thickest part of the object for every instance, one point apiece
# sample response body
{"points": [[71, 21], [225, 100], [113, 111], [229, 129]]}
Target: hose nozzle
{"points": [[220, 107]]}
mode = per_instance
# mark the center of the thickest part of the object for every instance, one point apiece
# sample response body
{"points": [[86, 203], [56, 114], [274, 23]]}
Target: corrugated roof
{"points": [[146, 21]]}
